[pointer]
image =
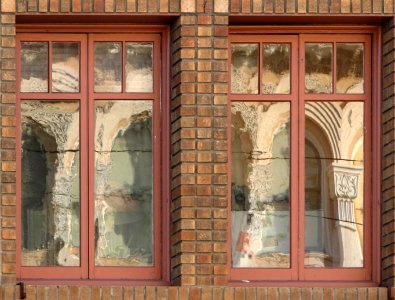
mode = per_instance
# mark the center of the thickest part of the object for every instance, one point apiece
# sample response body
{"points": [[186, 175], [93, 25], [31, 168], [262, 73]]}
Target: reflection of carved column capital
{"points": [[343, 181]]}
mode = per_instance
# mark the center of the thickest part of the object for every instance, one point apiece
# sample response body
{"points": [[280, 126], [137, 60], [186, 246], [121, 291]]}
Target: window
{"points": [[89, 156], [301, 198]]}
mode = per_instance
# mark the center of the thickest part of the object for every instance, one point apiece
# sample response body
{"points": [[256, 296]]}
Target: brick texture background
{"points": [[198, 104], [186, 293]]}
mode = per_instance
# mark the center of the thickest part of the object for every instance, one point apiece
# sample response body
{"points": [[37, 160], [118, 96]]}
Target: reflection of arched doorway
{"points": [[320, 239], [333, 184], [34, 165]]}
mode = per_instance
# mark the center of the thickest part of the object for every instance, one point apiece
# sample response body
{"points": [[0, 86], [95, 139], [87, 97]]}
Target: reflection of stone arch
{"points": [[327, 116], [56, 126], [317, 151], [336, 128], [39, 166]]}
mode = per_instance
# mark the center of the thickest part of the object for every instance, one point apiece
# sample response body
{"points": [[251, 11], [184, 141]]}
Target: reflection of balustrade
{"points": [[343, 187]]}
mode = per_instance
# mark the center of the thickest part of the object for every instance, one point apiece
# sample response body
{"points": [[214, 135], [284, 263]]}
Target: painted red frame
{"points": [[297, 274], [86, 35]]}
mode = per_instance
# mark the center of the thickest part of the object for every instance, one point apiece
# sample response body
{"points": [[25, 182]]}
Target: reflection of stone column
{"points": [[113, 118], [58, 131], [343, 190], [262, 122]]}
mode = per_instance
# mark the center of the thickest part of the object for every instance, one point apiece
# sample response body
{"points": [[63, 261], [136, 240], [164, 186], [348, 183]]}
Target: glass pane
{"points": [[245, 68], [34, 67], [260, 184], [349, 68], [334, 180], [318, 77], [123, 183], [139, 76], [108, 71], [50, 183], [65, 67], [276, 72]]}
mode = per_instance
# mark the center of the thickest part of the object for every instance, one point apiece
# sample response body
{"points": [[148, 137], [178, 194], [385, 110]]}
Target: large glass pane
{"points": [[108, 67], [318, 71], [245, 75], [349, 68], [50, 183], [276, 72], [65, 67], [334, 180], [139, 76], [260, 184], [123, 183], [34, 67]]}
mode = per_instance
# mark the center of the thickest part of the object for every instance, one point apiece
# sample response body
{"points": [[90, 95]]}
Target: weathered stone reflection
{"points": [[334, 184], [50, 183], [349, 68], [34, 67], [139, 77], [276, 71], [108, 67], [65, 67], [245, 59], [318, 70], [260, 184], [123, 183]]}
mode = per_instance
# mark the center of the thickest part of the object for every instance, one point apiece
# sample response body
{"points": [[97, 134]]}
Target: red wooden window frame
{"points": [[86, 36], [297, 274]]}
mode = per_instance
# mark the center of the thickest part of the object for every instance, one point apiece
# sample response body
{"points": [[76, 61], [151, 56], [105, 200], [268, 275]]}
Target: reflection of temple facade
{"points": [[333, 188]]}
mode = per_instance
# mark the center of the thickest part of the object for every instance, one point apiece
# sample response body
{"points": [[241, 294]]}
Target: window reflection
{"points": [[65, 67], [245, 68], [260, 185], [123, 183], [34, 67], [50, 183], [334, 184], [108, 67], [318, 68], [276, 69], [349, 68], [139, 77]]}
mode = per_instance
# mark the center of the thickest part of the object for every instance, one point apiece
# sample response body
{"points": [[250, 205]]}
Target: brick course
{"points": [[198, 104]]}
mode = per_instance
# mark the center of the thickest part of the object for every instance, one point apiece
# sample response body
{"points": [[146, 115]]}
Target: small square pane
{"points": [[108, 67], [245, 71], [349, 68], [276, 69], [34, 67], [66, 67], [139, 76], [318, 69]]}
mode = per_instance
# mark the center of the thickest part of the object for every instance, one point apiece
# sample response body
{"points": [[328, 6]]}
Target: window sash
{"points": [[86, 98], [298, 98]]}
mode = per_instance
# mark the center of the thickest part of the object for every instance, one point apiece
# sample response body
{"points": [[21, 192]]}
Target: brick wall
{"points": [[186, 293], [388, 156], [198, 143]]}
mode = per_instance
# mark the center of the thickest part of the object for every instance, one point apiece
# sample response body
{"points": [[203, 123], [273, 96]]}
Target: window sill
{"points": [[329, 284], [94, 282]]}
